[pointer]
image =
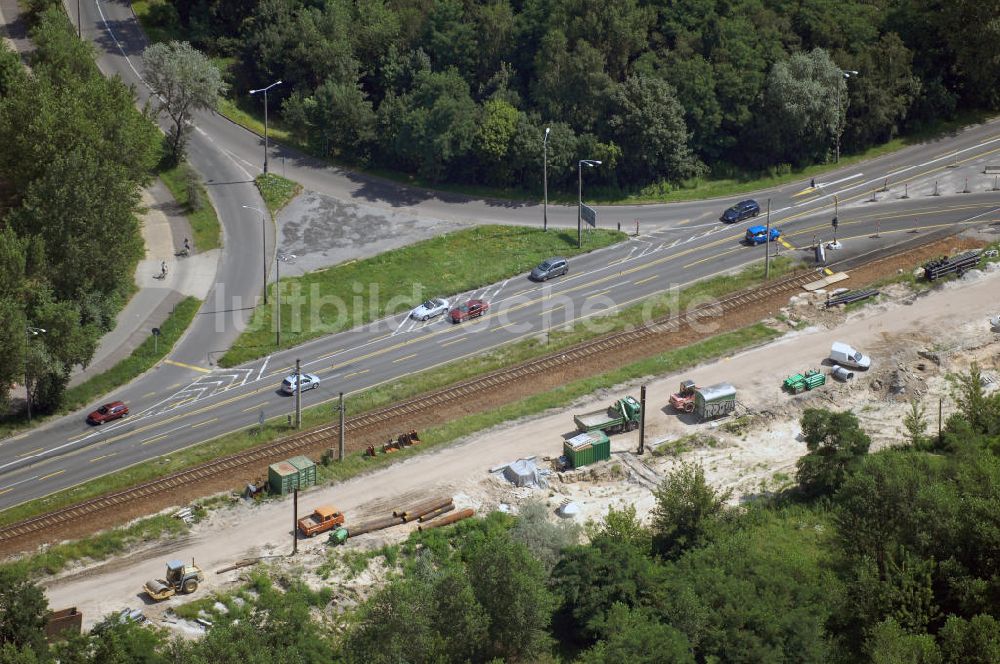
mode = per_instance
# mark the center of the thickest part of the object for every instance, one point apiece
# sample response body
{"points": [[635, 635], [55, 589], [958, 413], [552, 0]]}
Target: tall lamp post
{"points": [[29, 332], [545, 179], [264, 90], [263, 246], [846, 74], [579, 207]]}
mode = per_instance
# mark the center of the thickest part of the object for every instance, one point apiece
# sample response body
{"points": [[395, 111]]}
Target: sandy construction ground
{"points": [[914, 341]]}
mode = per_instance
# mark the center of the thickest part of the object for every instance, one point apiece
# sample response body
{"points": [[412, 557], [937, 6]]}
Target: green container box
{"points": [[307, 470], [282, 477], [587, 448]]}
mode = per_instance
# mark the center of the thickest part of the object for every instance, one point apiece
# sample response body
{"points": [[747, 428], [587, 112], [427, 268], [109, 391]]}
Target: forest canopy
{"points": [[659, 90]]}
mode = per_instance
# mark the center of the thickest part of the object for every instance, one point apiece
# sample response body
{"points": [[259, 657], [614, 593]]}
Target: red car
{"points": [[471, 309], [108, 412]]}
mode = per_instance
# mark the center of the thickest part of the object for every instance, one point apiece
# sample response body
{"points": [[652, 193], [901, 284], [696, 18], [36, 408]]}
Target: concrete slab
{"points": [[322, 231]]}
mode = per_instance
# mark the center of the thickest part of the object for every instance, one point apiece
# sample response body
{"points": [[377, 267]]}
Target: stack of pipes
{"points": [[445, 520]]}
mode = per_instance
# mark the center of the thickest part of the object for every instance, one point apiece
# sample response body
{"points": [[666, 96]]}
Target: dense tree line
{"points": [[463, 89], [75, 153], [891, 557]]}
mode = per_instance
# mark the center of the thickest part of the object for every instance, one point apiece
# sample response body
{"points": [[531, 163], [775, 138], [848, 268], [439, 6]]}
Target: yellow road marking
{"points": [[45, 477], [784, 243], [8, 490], [187, 366], [201, 424], [279, 371], [827, 271], [174, 386], [600, 293], [247, 410], [103, 456], [403, 359], [148, 394], [24, 454], [807, 190], [683, 221], [356, 373], [453, 341], [154, 439], [328, 356], [642, 281]]}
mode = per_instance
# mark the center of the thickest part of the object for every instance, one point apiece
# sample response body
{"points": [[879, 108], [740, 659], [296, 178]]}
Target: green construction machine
{"points": [[801, 382]]}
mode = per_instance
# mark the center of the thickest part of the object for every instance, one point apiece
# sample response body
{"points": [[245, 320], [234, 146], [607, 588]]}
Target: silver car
{"points": [[308, 382], [550, 267], [431, 308]]}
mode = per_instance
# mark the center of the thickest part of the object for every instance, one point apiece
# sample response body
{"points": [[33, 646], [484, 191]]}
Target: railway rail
{"points": [[372, 420]]}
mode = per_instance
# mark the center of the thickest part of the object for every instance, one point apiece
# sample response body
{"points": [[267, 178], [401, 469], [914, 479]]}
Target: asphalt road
{"points": [[186, 400], [226, 400]]}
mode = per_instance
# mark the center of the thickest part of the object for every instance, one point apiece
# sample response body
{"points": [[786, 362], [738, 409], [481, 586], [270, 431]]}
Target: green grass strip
{"points": [[118, 539], [149, 352], [276, 191], [141, 359], [181, 180], [327, 301], [376, 397]]}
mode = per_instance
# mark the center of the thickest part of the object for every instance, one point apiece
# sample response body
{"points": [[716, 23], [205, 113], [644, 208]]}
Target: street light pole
{"points": [[29, 331], [579, 190], [846, 73], [79, 26], [263, 246], [277, 299], [264, 90], [545, 179]]}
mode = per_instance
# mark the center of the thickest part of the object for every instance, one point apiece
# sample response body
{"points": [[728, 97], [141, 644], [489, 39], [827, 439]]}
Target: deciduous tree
{"points": [[186, 81]]}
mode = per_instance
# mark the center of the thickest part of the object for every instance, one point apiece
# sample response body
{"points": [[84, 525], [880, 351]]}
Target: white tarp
{"points": [[522, 473]]}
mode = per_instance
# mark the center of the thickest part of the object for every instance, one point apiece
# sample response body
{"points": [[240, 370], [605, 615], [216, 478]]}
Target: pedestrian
{"points": [[187, 245], [163, 269], [812, 183]]}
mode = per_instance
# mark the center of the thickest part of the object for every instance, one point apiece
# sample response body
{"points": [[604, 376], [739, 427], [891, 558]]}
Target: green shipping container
{"points": [[282, 477], [307, 470], [587, 448]]}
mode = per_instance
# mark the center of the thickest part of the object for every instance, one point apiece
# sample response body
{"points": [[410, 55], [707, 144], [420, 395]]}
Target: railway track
{"points": [[329, 434]]}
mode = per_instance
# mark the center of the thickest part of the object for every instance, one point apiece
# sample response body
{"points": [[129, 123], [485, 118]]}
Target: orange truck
{"points": [[323, 519]]}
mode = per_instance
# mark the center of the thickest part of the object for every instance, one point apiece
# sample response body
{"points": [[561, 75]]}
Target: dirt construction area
{"points": [[914, 340]]}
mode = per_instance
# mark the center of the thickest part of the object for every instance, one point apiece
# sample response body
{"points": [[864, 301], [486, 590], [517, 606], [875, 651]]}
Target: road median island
{"points": [[668, 351]]}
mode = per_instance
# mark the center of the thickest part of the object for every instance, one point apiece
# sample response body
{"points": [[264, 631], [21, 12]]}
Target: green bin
{"points": [[282, 477], [587, 448], [307, 470]]}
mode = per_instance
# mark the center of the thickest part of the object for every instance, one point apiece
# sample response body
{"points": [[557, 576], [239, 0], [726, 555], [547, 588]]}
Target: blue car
{"points": [[758, 235]]}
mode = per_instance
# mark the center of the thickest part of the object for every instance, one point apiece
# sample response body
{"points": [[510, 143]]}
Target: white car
{"points": [[431, 308], [309, 381]]}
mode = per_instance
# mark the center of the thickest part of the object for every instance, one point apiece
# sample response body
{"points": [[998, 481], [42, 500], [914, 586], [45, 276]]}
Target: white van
{"points": [[846, 356]]}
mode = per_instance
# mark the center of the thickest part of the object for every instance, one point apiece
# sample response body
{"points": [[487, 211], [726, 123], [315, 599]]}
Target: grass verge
{"points": [[141, 359], [405, 388], [359, 292], [186, 187], [276, 191], [106, 544], [149, 352]]}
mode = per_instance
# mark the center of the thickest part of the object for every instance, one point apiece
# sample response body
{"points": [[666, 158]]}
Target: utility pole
{"points": [[642, 420], [298, 395], [341, 426], [295, 522], [767, 244]]}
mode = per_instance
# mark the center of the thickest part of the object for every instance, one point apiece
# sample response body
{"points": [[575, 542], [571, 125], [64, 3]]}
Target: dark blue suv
{"points": [[740, 211]]}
